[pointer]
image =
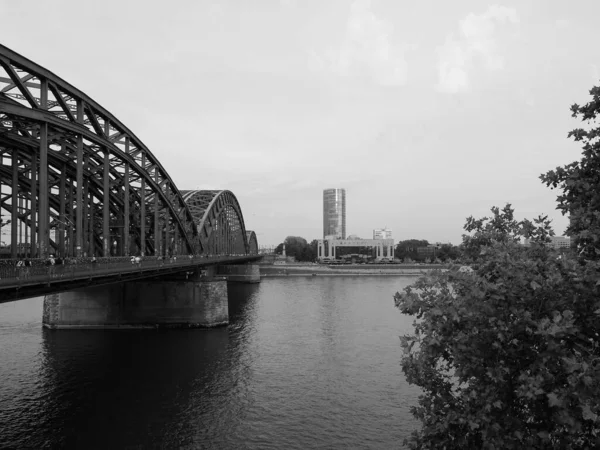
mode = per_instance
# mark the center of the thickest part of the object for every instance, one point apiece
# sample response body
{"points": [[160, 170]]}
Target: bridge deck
{"points": [[22, 282]]}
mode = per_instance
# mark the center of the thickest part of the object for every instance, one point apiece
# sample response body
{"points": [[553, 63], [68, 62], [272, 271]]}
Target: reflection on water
{"points": [[306, 362]]}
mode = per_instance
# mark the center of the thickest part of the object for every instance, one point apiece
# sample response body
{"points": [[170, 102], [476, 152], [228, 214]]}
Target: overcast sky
{"points": [[426, 112]]}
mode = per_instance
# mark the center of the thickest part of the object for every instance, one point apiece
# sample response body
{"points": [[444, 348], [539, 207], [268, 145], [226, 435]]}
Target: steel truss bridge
{"points": [[76, 183]]}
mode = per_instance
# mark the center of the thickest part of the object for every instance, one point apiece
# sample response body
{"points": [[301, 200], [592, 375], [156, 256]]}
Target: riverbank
{"points": [[304, 270]]}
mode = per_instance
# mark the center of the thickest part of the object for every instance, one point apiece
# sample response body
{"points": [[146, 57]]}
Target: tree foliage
{"points": [[447, 252], [580, 181], [408, 249], [502, 227], [506, 353], [506, 349], [299, 248]]}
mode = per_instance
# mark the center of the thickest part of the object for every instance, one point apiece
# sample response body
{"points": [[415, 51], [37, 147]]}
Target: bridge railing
{"points": [[11, 274]]}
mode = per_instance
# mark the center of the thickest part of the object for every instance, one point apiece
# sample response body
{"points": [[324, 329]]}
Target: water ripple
{"points": [[306, 363]]}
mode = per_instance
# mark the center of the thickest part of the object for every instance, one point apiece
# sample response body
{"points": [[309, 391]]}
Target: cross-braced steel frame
{"points": [[75, 181], [220, 222]]}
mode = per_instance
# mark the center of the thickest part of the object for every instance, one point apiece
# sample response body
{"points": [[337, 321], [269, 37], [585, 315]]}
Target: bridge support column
{"points": [[196, 302], [240, 273]]}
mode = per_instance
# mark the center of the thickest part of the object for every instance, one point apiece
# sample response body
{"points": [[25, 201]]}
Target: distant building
{"points": [[334, 213], [427, 251], [555, 242], [382, 233], [381, 249], [432, 249], [561, 241]]}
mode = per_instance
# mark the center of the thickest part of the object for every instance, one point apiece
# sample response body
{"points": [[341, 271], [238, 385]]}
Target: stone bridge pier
{"points": [[193, 299], [240, 273]]}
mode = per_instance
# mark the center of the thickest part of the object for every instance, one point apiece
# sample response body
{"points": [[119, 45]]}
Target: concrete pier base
{"points": [[140, 304], [243, 273]]}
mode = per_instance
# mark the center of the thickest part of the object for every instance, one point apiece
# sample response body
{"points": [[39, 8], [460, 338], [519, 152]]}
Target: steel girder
{"points": [[220, 222], [74, 180]]}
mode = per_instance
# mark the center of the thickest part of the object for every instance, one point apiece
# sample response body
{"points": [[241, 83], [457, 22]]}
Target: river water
{"points": [[307, 362]]}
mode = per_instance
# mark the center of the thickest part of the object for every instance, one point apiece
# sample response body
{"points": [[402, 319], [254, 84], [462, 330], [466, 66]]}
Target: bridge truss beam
{"points": [[220, 222], [83, 179], [75, 181]]}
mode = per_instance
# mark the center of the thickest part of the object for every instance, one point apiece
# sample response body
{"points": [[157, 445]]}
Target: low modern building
{"points": [[432, 250], [427, 251], [561, 241], [555, 242], [383, 249]]}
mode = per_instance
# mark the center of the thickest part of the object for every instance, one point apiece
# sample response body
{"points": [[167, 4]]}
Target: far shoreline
{"points": [[346, 270]]}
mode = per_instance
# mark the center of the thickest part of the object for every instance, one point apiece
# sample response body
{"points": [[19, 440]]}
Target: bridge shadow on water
{"points": [[241, 299], [163, 388]]}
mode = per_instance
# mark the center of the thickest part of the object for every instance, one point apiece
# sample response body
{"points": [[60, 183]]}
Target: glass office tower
{"points": [[334, 213]]}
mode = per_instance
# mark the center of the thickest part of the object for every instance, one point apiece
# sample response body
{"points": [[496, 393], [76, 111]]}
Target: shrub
{"points": [[507, 354]]}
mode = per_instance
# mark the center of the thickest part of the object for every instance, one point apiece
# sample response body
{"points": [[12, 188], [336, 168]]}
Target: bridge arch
{"points": [[75, 181], [220, 222], [252, 243]]}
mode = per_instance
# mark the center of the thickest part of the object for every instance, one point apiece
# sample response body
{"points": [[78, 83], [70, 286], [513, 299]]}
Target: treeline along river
{"points": [[307, 362]]}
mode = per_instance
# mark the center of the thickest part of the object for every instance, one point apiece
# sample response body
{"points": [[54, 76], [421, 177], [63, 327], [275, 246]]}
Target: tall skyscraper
{"points": [[334, 213]]}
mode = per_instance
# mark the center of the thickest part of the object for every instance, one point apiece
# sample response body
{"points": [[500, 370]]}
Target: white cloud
{"points": [[366, 48], [478, 39]]}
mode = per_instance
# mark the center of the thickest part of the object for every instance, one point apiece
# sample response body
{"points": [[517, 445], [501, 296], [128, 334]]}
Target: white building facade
{"points": [[382, 233], [383, 248], [555, 242]]}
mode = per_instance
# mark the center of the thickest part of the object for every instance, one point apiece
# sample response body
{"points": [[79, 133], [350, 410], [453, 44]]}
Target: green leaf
{"points": [[553, 400], [587, 413], [571, 365], [403, 341], [557, 317], [534, 285], [518, 435]]}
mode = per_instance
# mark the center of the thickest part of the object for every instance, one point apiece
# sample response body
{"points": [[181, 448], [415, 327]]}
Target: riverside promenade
{"points": [[303, 270]]}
